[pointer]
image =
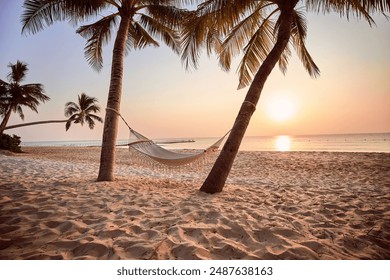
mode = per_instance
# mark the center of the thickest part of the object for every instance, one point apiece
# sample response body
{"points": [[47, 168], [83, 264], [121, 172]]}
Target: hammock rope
{"points": [[146, 152]]}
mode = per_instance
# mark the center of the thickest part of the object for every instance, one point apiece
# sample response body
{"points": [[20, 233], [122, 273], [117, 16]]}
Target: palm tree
{"points": [[13, 95], [264, 31], [80, 112], [139, 23]]}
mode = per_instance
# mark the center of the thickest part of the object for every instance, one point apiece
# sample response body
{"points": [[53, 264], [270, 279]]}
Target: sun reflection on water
{"points": [[283, 143]]}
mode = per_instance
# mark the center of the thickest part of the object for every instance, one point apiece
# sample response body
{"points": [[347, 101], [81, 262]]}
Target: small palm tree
{"points": [[13, 95], [80, 112], [135, 23], [264, 31]]}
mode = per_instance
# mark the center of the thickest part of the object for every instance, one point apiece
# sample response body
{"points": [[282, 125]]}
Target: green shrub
{"points": [[10, 143]]}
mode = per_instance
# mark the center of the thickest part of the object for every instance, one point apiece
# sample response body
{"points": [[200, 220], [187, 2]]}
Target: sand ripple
{"points": [[275, 206]]}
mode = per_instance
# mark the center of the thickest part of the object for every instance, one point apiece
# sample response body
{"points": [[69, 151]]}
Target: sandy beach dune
{"points": [[294, 205]]}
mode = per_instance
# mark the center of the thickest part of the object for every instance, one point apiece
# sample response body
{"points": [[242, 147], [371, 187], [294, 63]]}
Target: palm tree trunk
{"points": [[107, 156], [5, 120], [34, 123], [216, 179]]}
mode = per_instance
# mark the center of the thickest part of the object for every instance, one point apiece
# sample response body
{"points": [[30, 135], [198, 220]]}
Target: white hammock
{"points": [[143, 146], [144, 149]]}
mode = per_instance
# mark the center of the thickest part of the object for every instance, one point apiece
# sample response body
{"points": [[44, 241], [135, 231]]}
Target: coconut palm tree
{"points": [[80, 112], [135, 23], [264, 31], [14, 95]]}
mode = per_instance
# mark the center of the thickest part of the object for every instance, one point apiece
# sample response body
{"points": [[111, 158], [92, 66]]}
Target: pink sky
{"points": [[160, 99]]}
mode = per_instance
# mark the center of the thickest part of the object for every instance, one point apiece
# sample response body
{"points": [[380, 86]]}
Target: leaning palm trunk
{"points": [[216, 179], [34, 123], [107, 156], [5, 120]]}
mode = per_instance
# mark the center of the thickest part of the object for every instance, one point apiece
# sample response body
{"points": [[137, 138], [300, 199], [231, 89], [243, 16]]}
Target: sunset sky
{"points": [[162, 100]]}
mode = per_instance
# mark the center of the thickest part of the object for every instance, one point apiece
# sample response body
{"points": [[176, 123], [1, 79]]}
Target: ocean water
{"points": [[378, 142], [332, 143]]}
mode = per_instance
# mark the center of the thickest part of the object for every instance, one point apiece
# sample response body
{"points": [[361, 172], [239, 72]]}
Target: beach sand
{"points": [[276, 205]]}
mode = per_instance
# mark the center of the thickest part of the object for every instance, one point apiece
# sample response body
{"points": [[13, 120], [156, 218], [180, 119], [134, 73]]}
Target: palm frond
{"points": [[90, 119], [208, 25], [35, 91], [86, 101], [284, 59], [39, 14], [97, 34], [3, 83], [93, 108], [159, 30], [28, 101], [236, 39], [68, 124], [358, 8], [90, 122], [18, 72], [193, 36], [239, 36], [166, 13], [4, 98], [177, 3], [97, 118], [19, 110], [89, 105], [80, 119], [227, 13], [29, 95], [139, 38], [299, 31], [255, 52], [71, 108], [72, 118]]}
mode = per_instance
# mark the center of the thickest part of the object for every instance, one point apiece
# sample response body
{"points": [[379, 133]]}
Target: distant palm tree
{"points": [[264, 31], [13, 95], [140, 23], [80, 112]]}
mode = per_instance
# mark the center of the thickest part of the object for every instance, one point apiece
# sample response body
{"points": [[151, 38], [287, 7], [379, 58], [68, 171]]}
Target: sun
{"points": [[281, 107]]}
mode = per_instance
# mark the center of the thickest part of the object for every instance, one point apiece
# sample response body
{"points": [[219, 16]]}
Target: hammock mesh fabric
{"points": [[146, 152]]}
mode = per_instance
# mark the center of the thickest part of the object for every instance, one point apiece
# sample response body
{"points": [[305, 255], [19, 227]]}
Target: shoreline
{"points": [[276, 205], [366, 142]]}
